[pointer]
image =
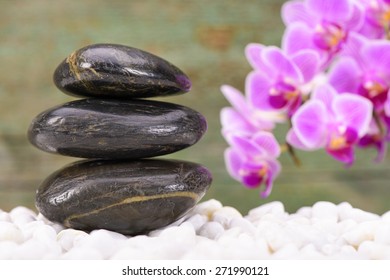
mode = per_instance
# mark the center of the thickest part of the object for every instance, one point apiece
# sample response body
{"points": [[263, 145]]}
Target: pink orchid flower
{"points": [[332, 121], [253, 161], [321, 25], [278, 82]]}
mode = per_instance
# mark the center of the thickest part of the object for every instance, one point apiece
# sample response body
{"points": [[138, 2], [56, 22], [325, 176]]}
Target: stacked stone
{"points": [[119, 187]]}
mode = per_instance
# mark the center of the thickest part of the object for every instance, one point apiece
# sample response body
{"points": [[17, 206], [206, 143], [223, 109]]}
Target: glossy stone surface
{"points": [[111, 129], [117, 71], [130, 197]]}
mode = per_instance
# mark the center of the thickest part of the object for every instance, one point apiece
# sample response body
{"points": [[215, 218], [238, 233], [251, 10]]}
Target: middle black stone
{"points": [[111, 129]]}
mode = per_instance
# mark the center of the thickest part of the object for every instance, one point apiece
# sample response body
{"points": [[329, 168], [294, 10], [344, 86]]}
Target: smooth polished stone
{"points": [[112, 129], [130, 197], [117, 71]]}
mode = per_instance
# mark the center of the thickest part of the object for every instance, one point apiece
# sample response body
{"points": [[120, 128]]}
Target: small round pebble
{"points": [[210, 231]]}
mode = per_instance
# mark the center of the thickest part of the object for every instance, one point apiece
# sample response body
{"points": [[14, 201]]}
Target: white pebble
{"points": [[207, 208], [386, 217], [197, 221], [138, 247], [232, 232], [359, 215], [382, 234], [184, 239], [241, 247], [205, 249], [323, 210], [346, 225], [224, 215], [22, 215], [7, 249], [69, 237], [363, 232], [181, 234], [275, 236], [4, 216], [330, 249], [305, 212], [211, 230], [348, 252], [374, 251], [243, 224], [57, 227], [44, 233], [10, 232], [275, 208], [29, 228], [289, 251], [104, 241], [34, 249], [309, 251], [297, 220], [344, 209]]}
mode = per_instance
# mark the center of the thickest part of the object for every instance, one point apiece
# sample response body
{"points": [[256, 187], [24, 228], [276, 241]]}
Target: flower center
{"points": [[253, 175], [282, 93], [329, 36], [374, 89], [342, 138], [385, 18], [379, 14]]}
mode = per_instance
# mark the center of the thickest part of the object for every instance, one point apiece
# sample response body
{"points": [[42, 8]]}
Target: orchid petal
{"points": [[387, 104], [245, 146], [356, 21], [382, 151], [371, 31], [309, 124], [234, 122], [354, 46], [297, 37], [294, 11], [257, 87], [308, 63], [326, 94], [235, 98], [377, 54], [275, 58], [253, 55], [294, 141], [233, 162], [274, 169], [268, 142], [371, 139], [345, 75], [345, 155], [331, 10], [355, 111]]}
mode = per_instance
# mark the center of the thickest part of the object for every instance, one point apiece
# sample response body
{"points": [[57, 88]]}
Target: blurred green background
{"points": [[206, 39]]}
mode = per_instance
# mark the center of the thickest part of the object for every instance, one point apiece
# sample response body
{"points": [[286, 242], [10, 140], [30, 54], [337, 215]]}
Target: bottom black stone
{"points": [[129, 197]]}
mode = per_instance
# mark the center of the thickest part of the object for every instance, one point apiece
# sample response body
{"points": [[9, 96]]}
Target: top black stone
{"points": [[117, 71]]}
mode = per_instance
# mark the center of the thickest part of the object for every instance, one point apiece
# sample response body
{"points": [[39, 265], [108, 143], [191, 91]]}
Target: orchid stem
{"points": [[379, 124], [293, 155]]}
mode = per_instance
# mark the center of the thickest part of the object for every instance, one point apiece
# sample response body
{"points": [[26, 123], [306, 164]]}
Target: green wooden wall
{"points": [[206, 39]]}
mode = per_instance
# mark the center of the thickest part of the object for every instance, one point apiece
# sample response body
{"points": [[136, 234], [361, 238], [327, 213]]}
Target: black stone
{"points": [[117, 71], [111, 129], [130, 197]]}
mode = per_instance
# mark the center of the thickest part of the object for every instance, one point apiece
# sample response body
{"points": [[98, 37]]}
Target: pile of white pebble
{"points": [[210, 231]]}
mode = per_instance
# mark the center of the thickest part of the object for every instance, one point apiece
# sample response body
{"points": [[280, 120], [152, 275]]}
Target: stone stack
{"points": [[119, 187]]}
